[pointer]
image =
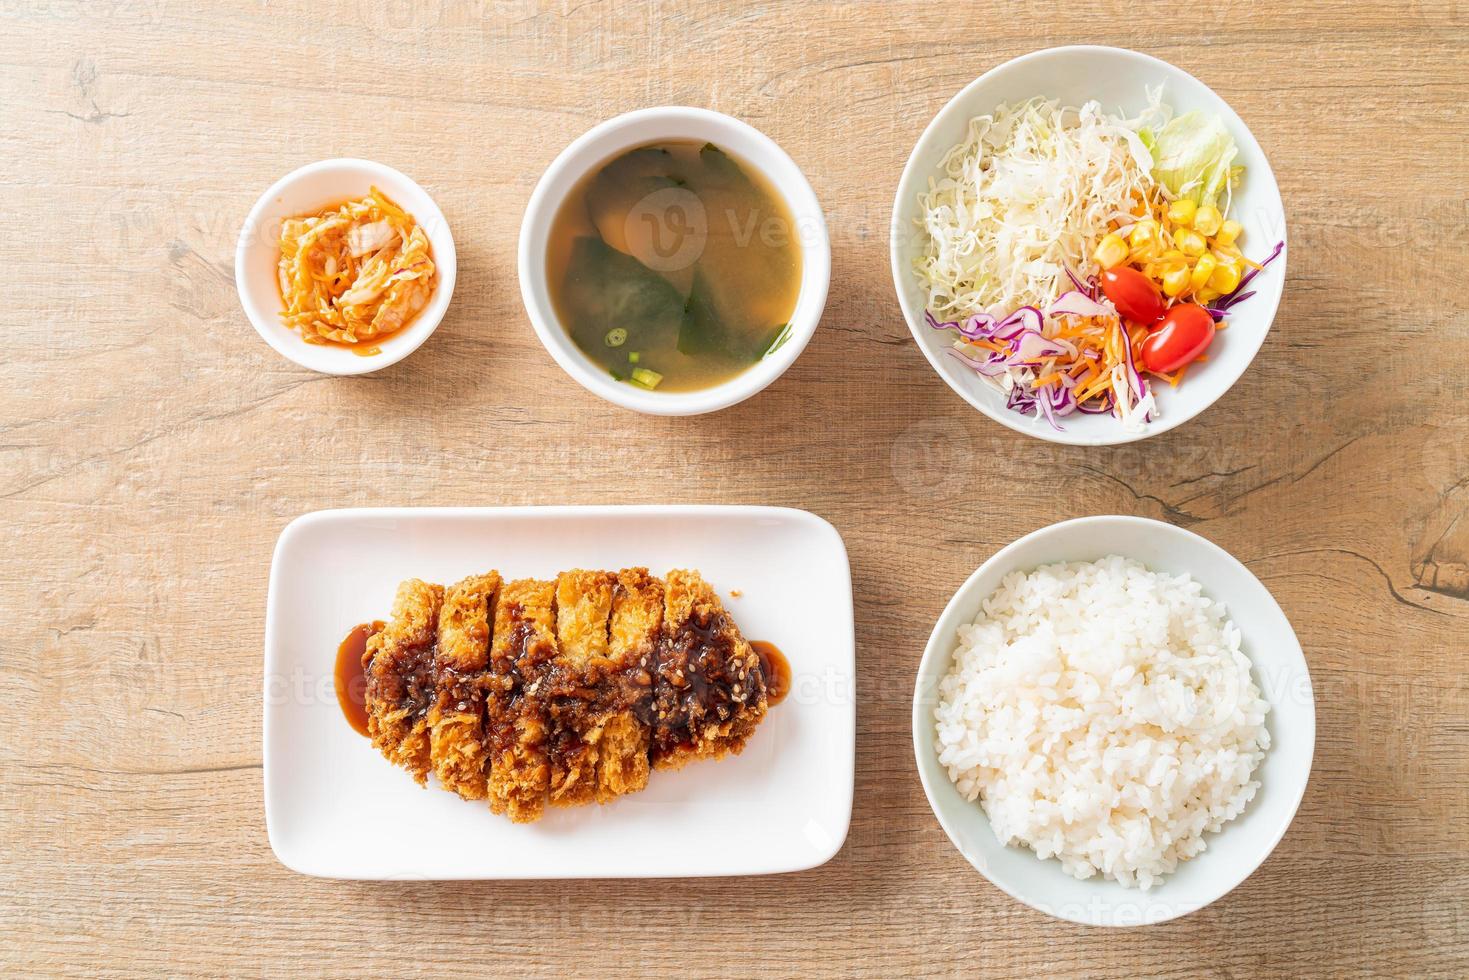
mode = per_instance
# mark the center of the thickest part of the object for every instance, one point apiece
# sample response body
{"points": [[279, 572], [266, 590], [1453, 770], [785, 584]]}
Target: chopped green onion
{"points": [[633, 357], [617, 375], [616, 337], [644, 378], [782, 334]]}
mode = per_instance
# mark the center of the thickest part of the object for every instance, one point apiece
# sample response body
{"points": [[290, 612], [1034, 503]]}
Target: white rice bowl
{"points": [[1103, 715]]}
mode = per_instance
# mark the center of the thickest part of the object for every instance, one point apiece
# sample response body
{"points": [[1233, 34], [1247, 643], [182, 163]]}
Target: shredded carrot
{"points": [[1172, 379], [1049, 379], [1095, 386]]}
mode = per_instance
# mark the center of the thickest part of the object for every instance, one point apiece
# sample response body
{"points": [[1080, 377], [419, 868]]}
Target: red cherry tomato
{"points": [[1185, 333], [1133, 294]]}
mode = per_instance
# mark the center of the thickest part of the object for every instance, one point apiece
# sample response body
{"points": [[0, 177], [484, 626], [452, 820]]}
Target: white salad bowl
{"points": [[603, 143], [1118, 79], [307, 189], [1279, 669]]}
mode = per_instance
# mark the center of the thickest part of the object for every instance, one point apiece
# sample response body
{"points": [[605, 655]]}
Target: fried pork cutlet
{"points": [[462, 663], [710, 689], [399, 666], [583, 608], [563, 692], [636, 625], [515, 714]]}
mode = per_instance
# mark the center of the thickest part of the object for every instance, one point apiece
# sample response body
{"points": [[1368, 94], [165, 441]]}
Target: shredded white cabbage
{"points": [[1134, 412], [1030, 192]]}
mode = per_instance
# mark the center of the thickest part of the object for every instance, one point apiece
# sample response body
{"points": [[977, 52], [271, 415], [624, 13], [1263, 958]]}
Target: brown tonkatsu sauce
{"points": [[682, 684], [351, 683], [699, 681], [776, 668], [518, 678], [669, 691], [689, 686]]}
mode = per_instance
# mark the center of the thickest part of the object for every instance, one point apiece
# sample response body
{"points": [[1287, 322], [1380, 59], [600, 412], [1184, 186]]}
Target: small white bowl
{"points": [[1116, 78], [307, 189], [601, 144], [1279, 670]]}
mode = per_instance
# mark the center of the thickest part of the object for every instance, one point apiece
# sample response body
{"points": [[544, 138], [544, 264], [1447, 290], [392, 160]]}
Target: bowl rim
{"points": [[1012, 420], [324, 359], [561, 176], [921, 721]]}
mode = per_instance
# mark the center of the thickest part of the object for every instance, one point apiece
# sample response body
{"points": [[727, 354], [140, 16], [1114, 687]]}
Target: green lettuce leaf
{"points": [[1193, 157]]}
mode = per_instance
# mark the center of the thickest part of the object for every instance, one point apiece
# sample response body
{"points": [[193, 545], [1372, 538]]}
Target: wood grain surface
{"points": [[153, 448]]}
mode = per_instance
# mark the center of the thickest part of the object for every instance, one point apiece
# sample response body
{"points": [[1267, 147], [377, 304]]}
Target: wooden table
{"points": [[153, 448]]}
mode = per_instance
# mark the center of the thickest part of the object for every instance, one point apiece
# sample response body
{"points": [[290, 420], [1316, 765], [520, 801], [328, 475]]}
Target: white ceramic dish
{"points": [[311, 187], [1279, 669], [1117, 79], [606, 141], [782, 805]]}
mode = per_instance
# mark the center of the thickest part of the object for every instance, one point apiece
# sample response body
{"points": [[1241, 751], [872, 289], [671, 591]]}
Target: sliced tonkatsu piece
{"points": [[575, 684], [521, 654], [461, 664], [637, 623], [709, 689], [399, 666]]}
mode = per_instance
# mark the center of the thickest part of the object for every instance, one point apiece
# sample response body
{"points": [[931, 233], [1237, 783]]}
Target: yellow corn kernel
{"points": [[1229, 233], [1190, 242], [1181, 211], [1203, 269], [1111, 250], [1143, 256], [1207, 295], [1175, 279], [1144, 233], [1225, 277], [1207, 219]]}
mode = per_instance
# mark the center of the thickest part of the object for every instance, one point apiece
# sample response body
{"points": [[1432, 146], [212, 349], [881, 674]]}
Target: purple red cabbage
{"points": [[1224, 304]]}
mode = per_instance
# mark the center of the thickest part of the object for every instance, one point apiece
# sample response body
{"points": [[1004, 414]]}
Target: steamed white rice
{"points": [[1104, 715]]}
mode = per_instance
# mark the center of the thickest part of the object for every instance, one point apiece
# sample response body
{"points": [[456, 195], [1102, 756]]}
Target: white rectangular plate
{"points": [[335, 808]]}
